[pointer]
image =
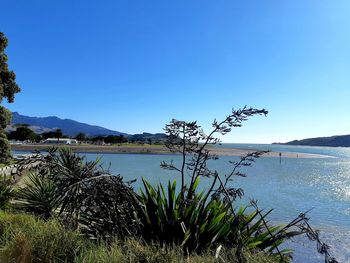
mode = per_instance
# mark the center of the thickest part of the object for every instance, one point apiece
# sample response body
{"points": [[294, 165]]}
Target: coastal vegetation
{"points": [[68, 197]]}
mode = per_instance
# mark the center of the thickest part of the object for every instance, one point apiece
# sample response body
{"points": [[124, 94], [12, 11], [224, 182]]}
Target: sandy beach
{"points": [[158, 149]]}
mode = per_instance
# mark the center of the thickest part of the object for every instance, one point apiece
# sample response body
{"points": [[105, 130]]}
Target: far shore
{"points": [[157, 149]]}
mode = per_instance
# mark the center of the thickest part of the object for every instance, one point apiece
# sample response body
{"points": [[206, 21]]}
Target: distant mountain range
{"points": [[68, 127], [333, 141]]}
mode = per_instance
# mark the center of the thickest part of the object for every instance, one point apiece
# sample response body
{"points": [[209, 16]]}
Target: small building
{"points": [[66, 141]]}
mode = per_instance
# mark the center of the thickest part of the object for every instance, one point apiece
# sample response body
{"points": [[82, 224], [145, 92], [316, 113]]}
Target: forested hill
{"points": [[333, 141], [68, 127]]}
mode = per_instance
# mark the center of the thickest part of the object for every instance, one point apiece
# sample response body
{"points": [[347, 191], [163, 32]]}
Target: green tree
{"points": [[58, 133], [81, 136], [22, 133], [5, 117], [98, 139], [5, 152], [8, 89], [114, 139], [49, 134]]}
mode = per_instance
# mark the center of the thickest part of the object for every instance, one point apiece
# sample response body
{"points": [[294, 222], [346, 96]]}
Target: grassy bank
{"points": [[25, 238]]}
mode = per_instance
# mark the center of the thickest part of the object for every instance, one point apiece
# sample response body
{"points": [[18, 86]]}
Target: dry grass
{"points": [[134, 251]]}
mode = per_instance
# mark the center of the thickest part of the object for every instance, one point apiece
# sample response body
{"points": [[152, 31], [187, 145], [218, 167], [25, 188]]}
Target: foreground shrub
{"points": [[109, 209], [196, 226], [82, 194], [204, 224]]}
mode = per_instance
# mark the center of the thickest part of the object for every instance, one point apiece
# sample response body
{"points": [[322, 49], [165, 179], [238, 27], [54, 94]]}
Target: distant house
{"points": [[60, 141]]}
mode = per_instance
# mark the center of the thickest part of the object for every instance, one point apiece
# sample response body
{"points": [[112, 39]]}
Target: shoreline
{"points": [[158, 149]]}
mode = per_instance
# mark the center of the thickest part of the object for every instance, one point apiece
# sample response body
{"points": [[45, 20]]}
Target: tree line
{"points": [[24, 133]]}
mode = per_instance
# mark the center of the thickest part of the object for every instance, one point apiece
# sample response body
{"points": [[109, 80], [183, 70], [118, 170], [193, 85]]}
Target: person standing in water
{"points": [[280, 154]]}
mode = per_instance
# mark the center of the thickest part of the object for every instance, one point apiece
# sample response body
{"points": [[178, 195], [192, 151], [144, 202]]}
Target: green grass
{"points": [[24, 238]]}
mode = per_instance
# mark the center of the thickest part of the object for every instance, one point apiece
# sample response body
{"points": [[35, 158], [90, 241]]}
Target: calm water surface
{"points": [[295, 186]]}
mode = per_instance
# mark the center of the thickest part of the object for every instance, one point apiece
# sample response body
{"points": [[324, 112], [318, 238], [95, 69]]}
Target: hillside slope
{"points": [[333, 141], [68, 126]]}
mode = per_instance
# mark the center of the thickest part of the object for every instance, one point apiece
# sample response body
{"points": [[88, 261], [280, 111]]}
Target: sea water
{"points": [[291, 187]]}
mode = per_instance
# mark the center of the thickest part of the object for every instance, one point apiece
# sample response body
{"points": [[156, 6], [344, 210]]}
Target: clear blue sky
{"points": [[133, 65]]}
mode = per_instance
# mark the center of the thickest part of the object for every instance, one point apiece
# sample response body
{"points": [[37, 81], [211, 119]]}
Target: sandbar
{"points": [[159, 149]]}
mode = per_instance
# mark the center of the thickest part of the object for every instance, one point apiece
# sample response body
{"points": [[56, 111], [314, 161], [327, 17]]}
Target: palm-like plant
{"points": [[201, 224], [196, 225], [72, 174], [255, 234], [38, 196]]}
